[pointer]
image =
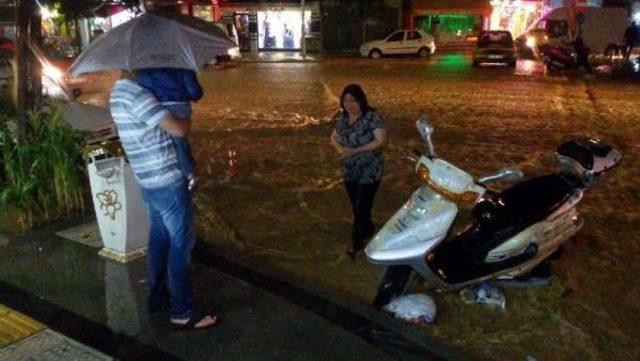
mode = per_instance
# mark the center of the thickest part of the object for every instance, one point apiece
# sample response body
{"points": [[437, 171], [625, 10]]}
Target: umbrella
{"points": [[198, 24], [151, 41]]}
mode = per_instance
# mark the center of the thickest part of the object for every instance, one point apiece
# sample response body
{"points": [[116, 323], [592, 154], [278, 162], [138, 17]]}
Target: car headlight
{"points": [[531, 42], [52, 73]]}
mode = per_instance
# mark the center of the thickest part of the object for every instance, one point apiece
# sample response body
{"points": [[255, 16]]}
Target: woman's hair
{"points": [[358, 94]]}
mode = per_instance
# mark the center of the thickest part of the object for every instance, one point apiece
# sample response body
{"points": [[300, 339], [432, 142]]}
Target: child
{"points": [[175, 89]]}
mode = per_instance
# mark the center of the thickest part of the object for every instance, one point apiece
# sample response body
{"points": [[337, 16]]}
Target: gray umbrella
{"points": [[151, 41]]}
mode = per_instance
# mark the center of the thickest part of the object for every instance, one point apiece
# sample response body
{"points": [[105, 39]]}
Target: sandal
{"points": [[197, 318]]}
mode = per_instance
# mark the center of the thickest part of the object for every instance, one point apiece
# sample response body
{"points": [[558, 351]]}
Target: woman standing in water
{"points": [[359, 137]]}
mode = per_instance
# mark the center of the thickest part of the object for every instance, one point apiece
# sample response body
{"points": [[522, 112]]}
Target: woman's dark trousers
{"points": [[361, 196]]}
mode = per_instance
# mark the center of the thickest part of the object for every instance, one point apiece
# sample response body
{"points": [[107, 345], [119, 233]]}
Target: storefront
{"points": [[266, 27], [515, 15], [451, 22]]}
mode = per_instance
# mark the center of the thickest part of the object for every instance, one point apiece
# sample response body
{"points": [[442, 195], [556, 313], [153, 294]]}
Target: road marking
{"points": [[15, 326]]}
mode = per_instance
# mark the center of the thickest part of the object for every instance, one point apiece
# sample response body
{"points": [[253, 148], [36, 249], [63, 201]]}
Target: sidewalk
{"points": [[67, 287], [279, 57], [22, 338]]}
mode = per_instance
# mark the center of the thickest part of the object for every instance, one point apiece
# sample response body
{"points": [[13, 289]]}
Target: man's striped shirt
{"points": [[138, 115]]}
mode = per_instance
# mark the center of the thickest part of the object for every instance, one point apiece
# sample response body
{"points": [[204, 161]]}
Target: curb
{"points": [[365, 321]]}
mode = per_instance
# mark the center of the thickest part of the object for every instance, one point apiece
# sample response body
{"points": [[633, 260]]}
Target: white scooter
{"points": [[512, 231]]}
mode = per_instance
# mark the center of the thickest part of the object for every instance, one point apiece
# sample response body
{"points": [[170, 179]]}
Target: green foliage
{"points": [[41, 170]]}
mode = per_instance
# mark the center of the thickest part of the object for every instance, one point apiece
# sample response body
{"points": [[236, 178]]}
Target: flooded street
{"points": [[287, 210]]}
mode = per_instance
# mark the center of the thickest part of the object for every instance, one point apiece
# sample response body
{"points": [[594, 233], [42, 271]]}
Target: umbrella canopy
{"points": [[151, 41], [193, 22]]}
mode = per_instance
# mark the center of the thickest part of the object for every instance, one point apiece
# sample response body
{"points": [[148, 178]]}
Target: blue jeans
{"points": [[171, 240], [183, 150]]}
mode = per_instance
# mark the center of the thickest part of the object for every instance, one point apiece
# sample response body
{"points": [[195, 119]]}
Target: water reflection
{"points": [[122, 294]]}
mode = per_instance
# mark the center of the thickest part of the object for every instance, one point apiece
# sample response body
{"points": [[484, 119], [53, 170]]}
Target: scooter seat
{"points": [[497, 219], [533, 200]]}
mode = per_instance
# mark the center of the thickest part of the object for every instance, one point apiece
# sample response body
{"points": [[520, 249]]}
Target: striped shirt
{"points": [[138, 115]]}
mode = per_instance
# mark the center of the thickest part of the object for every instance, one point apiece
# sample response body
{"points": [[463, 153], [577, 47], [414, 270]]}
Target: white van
{"points": [[601, 28]]}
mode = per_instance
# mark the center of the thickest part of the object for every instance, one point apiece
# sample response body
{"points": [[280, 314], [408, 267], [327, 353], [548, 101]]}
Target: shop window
{"points": [[455, 23], [399, 36], [281, 29], [557, 28]]}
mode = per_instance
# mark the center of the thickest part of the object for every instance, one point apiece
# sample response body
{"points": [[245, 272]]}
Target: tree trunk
{"points": [[22, 18], [364, 30], [35, 67], [76, 24]]}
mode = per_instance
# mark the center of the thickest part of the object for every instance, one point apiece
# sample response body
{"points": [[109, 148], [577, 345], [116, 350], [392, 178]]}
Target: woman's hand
{"points": [[335, 142], [379, 141], [347, 152]]}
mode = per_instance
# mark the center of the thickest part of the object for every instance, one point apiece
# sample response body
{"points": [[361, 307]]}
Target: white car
{"points": [[399, 42]]}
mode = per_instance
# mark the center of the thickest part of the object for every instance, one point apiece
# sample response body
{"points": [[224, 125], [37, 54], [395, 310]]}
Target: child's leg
{"points": [[181, 145], [185, 158]]}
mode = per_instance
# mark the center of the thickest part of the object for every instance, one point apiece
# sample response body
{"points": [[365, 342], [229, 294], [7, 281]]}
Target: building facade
{"points": [[451, 22], [455, 21], [7, 19]]}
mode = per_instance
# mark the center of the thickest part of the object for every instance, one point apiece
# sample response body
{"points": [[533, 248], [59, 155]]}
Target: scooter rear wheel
{"points": [[393, 283]]}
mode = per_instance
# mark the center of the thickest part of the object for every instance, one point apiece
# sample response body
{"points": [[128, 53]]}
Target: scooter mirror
{"points": [[504, 175], [425, 128]]}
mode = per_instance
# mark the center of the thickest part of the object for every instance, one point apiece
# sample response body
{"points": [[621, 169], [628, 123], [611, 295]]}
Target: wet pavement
{"points": [[101, 303], [284, 219]]}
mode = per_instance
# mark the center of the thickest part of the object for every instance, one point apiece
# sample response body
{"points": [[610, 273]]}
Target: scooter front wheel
{"points": [[393, 283]]}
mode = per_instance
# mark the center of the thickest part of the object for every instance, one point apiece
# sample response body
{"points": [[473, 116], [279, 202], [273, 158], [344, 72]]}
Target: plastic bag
{"points": [[486, 294], [415, 308]]}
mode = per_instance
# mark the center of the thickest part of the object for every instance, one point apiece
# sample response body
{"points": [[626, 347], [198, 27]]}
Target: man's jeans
{"points": [[171, 240]]}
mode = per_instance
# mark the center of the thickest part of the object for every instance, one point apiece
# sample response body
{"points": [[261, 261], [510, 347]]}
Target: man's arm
{"points": [[175, 127], [149, 111]]}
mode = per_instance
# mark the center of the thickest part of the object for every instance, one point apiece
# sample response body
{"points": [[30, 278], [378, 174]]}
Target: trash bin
{"points": [[120, 210]]}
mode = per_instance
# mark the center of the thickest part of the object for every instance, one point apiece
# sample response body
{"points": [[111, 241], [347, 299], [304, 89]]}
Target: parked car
{"points": [[228, 29], [495, 46], [399, 42]]}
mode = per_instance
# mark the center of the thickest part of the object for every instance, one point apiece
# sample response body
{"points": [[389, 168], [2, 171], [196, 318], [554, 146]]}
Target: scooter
{"points": [[558, 58], [511, 231]]}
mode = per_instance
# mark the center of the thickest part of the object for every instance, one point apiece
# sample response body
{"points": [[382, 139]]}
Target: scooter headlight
{"points": [[423, 173]]}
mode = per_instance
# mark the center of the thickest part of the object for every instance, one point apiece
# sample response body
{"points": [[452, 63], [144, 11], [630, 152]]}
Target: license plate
{"points": [[496, 56]]}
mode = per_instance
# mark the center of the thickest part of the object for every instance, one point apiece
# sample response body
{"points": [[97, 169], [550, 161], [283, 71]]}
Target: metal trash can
{"points": [[120, 210]]}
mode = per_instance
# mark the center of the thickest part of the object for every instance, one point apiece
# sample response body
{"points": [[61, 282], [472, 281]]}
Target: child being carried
{"points": [[175, 89]]}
